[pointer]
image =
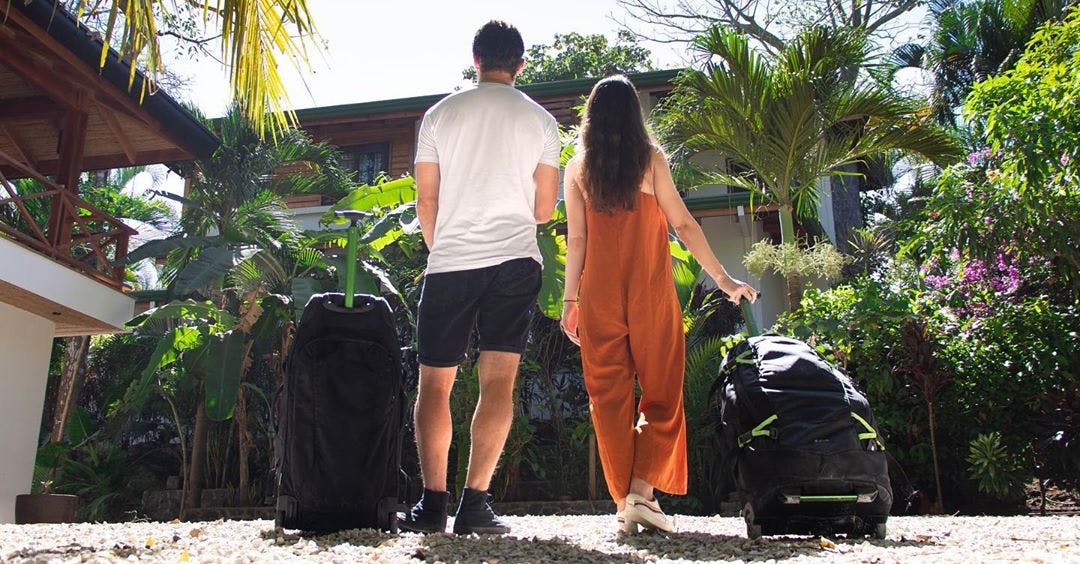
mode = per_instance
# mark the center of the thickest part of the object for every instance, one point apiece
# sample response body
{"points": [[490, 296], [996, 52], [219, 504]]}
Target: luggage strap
{"points": [[759, 431], [870, 433], [746, 357]]}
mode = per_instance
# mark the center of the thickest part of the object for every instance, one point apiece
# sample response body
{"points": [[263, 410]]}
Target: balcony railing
{"points": [[75, 233]]}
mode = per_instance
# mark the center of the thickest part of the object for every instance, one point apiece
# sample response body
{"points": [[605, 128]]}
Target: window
{"points": [[368, 161]]}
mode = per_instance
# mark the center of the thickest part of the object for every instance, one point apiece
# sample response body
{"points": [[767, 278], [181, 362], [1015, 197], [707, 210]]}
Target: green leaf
{"points": [[186, 310], [162, 247], [302, 290], [48, 457], [389, 228], [210, 266], [385, 285], [276, 310], [367, 198], [79, 425], [686, 271], [173, 344], [553, 278], [223, 363]]}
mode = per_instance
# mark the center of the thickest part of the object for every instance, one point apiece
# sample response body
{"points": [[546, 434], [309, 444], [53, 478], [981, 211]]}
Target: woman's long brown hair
{"points": [[617, 148]]}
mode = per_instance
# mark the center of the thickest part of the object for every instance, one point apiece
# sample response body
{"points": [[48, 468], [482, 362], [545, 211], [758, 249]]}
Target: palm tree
{"points": [[791, 118], [254, 35], [234, 205], [970, 42]]}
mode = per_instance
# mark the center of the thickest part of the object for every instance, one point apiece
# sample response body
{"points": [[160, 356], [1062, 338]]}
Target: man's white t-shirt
{"points": [[487, 141]]}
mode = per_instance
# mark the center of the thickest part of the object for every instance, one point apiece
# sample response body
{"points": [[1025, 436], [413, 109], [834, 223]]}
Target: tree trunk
{"points": [[795, 288], [939, 506], [76, 352], [793, 280], [787, 223], [193, 484], [243, 448]]}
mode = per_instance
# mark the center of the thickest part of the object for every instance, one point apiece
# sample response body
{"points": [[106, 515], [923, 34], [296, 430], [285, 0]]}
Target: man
{"points": [[487, 171]]}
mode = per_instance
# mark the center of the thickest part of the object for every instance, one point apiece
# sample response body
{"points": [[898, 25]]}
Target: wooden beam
{"points": [[105, 90], [38, 74], [101, 162], [118, 132], [29, 108], [17, 144], [72, 144]]}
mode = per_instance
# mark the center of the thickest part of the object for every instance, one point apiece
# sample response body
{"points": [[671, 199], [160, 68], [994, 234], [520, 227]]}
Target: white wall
{"points": [[731, 238], [25, 347], [55, 282]]}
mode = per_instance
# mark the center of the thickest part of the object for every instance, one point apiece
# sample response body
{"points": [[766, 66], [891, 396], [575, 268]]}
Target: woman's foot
{"points": [[624, 525], [646, 513]]}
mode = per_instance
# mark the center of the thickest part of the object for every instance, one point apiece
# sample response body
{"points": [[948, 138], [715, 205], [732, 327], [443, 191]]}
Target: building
{"points": [[61, 259], [381, 137]]}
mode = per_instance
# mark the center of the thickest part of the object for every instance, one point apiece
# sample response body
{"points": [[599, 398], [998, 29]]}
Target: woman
{"points": [[620, 303]]}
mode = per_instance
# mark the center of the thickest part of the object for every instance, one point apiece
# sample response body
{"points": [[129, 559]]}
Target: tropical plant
{"points": [[252, 36], [263, 293], [992, 466], [970, 42], [792, 118], [1020, 195], [233, 207]]}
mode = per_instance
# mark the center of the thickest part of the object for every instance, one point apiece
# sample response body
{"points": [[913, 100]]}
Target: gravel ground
{"points": [[548, 539]]}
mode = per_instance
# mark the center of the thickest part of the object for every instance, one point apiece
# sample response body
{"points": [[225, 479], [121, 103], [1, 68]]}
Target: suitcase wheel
{"points": [[880, 531], [753, 530]]}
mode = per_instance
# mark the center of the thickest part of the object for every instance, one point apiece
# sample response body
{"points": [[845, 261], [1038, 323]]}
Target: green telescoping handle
{"points": [[352, 242], [752, 329]]}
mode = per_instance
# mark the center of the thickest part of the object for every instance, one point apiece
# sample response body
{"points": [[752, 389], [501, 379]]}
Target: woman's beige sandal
{"points": [[646, 513]]}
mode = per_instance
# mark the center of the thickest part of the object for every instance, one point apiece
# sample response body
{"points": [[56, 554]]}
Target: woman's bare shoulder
{"points": [[659, 155]]}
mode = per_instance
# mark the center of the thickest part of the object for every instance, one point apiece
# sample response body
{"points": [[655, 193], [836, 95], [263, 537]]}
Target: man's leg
{"points": [[448, 309], [503, 324], [434, 429], [493, 416]]}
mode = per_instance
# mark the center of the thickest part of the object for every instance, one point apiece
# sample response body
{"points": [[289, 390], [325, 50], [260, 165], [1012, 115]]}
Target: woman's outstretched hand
{"points": [[569, 321], [736, 290]]}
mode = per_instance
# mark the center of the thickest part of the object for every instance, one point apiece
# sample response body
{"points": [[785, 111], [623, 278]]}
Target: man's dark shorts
{"points": [[498, 300]]}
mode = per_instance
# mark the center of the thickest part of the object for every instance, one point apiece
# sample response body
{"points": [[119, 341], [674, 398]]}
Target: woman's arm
{"points": [[576, 234], [690, 232]]}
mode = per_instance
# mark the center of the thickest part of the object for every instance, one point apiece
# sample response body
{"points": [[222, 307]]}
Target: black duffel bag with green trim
{"points": [[799, 443]]}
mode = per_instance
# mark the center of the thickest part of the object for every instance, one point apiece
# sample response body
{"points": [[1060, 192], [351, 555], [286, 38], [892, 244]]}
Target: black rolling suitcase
{"points": [[341, 415], [798, 442]]}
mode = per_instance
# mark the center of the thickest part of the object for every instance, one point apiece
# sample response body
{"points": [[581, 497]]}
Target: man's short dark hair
{"points": [[498, 47]]}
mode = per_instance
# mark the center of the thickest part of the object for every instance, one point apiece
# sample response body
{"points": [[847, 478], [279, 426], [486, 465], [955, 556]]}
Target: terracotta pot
{"points": [[45, 508]]}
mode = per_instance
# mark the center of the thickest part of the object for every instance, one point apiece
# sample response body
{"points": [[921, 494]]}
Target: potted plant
{"points": [[44, 506]]}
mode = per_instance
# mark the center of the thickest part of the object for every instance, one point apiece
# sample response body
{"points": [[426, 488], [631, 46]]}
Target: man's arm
{"points": [[427, 199], [546, 178]]}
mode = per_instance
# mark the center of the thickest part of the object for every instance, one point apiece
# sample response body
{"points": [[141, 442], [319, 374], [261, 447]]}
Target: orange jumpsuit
{"points": [[631, 328]]}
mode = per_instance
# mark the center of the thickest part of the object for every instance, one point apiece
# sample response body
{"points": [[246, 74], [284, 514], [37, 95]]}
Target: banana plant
{"points": [[391, 208]]}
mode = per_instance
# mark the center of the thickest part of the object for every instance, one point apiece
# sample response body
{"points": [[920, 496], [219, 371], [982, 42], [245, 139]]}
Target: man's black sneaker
{"points": [[474, 515], [428, 515]]}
